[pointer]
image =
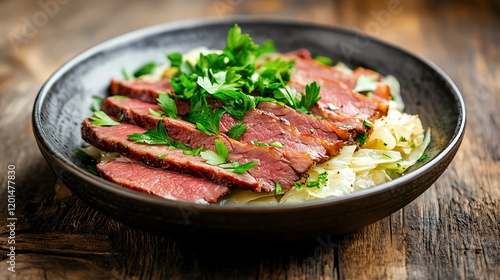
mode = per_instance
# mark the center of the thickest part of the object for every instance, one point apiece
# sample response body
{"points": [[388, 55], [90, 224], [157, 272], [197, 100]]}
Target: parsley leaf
{"points": [[236, 131], [422, 157], [101, 119], [158, 136], [402, 139], [175, 59], [221, 149], [361, 138], [96, 103], [324, 60], [205, 119], [220, 159], [245, 167], [311, 96], [279, 187], [368, 123], [366, 83], [126, 75], [155, 113], [167, 104], [146, 69], [212, 158]]}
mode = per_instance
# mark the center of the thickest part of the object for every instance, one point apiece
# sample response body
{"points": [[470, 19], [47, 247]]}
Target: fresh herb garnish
{"points": [[96, 103], [126, 75], [236, 131], [297, 185], [367, 123], [220, 157], [167, 104], [262, 144], [241, 168], [422, 158], [161, 156], [279, 187], [324, 60], [366, 83], [310, 97], [157, 136], [361, 138], [92, 168], [276, 144], [175, 59], [146, 69], [155, 113], [402, 139], [101, 119], [386, 155], [121, 116]]}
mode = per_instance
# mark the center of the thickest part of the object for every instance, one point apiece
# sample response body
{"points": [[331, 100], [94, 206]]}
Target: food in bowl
{"points": [[249, 125]]}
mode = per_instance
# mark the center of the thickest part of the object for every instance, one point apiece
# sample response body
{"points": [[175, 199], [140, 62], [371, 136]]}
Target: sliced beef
{"points": [[147, 91], [307, 124], [344, 108], [267, 128], [275, 165], [160, 182], [305, 63], [114, 139], [262, 126]]}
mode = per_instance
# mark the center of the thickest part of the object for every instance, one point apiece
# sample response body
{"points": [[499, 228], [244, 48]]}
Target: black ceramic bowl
{"points": [[63, 102]]}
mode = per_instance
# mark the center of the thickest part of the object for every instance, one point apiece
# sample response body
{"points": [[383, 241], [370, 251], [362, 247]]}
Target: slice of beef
{"points": [[267, 128], [147, 91], [160, 182], [114, 139], [344, 108], [308, 124], [305, 63], [288, 164], [262, 126]]}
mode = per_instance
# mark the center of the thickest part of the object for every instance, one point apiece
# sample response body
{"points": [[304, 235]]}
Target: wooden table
{"points": [[451, 231]]}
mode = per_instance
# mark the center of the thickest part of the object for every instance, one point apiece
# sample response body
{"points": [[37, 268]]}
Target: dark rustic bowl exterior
{"points": [[63, 102]]}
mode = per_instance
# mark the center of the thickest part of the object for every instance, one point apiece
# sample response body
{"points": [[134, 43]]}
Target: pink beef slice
{"points": [[159, 182]]}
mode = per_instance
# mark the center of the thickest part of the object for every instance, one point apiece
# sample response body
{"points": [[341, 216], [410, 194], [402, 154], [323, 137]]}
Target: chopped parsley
{"points": [[422, 158], [233, 80], [236, 131], [220, 157], [297, 185], [159, 136], [324, 60], [361, 138], [146, 69], [175, 59], [96, 103], [126, 75], [262, 144], [101, 119], [167, 104], [402, 139], [279, 187], [161, 156]]}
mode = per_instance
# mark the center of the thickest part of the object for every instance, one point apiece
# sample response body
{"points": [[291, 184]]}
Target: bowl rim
{"points": [[51, 153]]}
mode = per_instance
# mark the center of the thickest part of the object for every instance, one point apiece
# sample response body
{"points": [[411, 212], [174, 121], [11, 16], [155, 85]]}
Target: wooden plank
{"points": [[451, 231]]}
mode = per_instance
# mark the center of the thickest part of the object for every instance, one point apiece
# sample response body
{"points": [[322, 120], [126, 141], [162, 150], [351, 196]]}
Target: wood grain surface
{"points": [[452, 231]]}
